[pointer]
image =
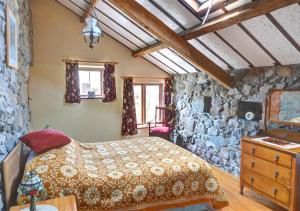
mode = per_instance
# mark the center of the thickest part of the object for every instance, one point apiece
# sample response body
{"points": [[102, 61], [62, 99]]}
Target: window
{"points": [[147, 97], [138, 103], [90, 81], [152, 95], [201, 6]]}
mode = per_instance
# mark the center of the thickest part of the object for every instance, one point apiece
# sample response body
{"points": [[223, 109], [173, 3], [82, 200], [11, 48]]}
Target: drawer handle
{"points": [[251, 180], [252, 164], [253, 151], [276, 174], [275, 191], [277, 157]]}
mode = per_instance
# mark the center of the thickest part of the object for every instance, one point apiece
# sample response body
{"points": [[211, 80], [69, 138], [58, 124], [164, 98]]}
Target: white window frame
{"points": [[143, 106], [91, 68]]}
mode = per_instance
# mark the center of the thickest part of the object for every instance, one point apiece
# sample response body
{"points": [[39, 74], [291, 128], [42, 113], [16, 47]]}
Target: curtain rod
{"points": [[82, 61], [123, 77]]}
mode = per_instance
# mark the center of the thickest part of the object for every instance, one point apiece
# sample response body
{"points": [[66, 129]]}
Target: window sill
{"points": [[142, 126], [86, 98], [90, 98]]}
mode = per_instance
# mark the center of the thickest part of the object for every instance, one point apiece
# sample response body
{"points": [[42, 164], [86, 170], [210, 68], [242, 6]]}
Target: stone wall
{"points": [[215, 136], [14, 110]]}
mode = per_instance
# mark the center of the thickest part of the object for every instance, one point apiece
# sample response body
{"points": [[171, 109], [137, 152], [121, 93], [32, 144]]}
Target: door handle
{"points": [[276, 174], [277, 157], [251, 180], [275, 191], [252, 150]]}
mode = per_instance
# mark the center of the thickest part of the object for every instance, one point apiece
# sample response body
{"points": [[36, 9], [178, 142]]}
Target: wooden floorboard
{"points": [[247, 202]]}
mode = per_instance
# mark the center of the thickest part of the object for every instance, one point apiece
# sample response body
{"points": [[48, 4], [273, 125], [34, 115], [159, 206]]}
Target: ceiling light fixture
{"points": [[91, 31]]}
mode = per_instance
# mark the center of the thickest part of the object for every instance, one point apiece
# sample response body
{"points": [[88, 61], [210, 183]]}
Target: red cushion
{"points": [[160, 130], [44, 140]]}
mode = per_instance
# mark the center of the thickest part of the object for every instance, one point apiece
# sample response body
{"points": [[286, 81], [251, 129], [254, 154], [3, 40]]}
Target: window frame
{"points": [[143, 97], [92, 69], [199, 6]]}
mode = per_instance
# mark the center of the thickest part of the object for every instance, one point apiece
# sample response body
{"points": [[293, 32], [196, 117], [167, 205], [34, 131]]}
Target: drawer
{"points": [[268, 169], [267, 187], [268, 154]]}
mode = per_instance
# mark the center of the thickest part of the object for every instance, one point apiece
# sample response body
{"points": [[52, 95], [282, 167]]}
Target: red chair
{"points": [[163, 122]]}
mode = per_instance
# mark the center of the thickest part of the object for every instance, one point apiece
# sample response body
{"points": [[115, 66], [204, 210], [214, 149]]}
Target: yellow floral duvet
{"points": [[137, 174]]}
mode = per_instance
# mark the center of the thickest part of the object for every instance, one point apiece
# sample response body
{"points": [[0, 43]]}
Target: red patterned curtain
{"points": [[72, 83], [168, 92], [109, 83], [168, 89], [129, 124]]}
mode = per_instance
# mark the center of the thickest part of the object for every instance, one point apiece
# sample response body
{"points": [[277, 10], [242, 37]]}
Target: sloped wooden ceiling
{"points": [[266, 40]]}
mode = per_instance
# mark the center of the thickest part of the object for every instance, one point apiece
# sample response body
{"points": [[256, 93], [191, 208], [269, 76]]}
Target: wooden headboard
{"points": [[13, 169]]}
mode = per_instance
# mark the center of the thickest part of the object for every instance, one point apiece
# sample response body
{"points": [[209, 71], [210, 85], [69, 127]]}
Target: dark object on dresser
{"points": [[246, 107]]}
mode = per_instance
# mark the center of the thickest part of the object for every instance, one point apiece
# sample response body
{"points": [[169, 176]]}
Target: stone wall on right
{"points": [[215, 136]]}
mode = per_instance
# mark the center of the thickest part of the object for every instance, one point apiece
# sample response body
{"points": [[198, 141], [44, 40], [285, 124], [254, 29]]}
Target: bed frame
{"points": [[13, 169]]}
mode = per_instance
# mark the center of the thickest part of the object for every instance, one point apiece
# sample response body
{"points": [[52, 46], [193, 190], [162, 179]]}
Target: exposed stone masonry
{"points": [[14, 109], [215, 136]]}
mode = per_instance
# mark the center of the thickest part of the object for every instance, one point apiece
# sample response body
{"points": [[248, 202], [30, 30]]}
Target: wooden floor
{"points": [[247, 202]]}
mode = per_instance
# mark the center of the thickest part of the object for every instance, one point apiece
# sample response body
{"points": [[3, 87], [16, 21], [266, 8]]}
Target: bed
{"points": [[136, 174]]}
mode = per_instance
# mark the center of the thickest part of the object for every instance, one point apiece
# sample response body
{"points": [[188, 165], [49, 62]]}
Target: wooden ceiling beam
{"points": [[154, 25], [149, 49], [88, 12], [246, 12]]}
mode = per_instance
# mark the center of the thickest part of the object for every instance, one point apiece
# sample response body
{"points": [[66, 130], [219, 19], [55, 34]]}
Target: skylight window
{"points": [[194, 4], [201, 6]]}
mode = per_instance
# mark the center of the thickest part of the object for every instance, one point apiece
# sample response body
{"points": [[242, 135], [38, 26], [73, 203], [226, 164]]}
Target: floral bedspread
{"points": [[126, 175]]}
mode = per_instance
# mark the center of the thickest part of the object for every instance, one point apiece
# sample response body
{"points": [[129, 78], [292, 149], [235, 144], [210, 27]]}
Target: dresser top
{"points": [[293, 151]]}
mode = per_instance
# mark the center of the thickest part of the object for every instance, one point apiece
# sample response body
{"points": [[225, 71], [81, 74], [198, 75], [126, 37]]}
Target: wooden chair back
{"points": [[161, 116], [13, 169]]}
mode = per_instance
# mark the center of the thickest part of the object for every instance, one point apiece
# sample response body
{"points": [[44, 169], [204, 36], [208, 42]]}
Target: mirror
{"points": [[284, 107]]}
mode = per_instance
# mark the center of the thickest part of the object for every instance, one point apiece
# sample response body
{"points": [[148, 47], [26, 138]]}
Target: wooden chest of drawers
{"points": [[272, 172]]}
